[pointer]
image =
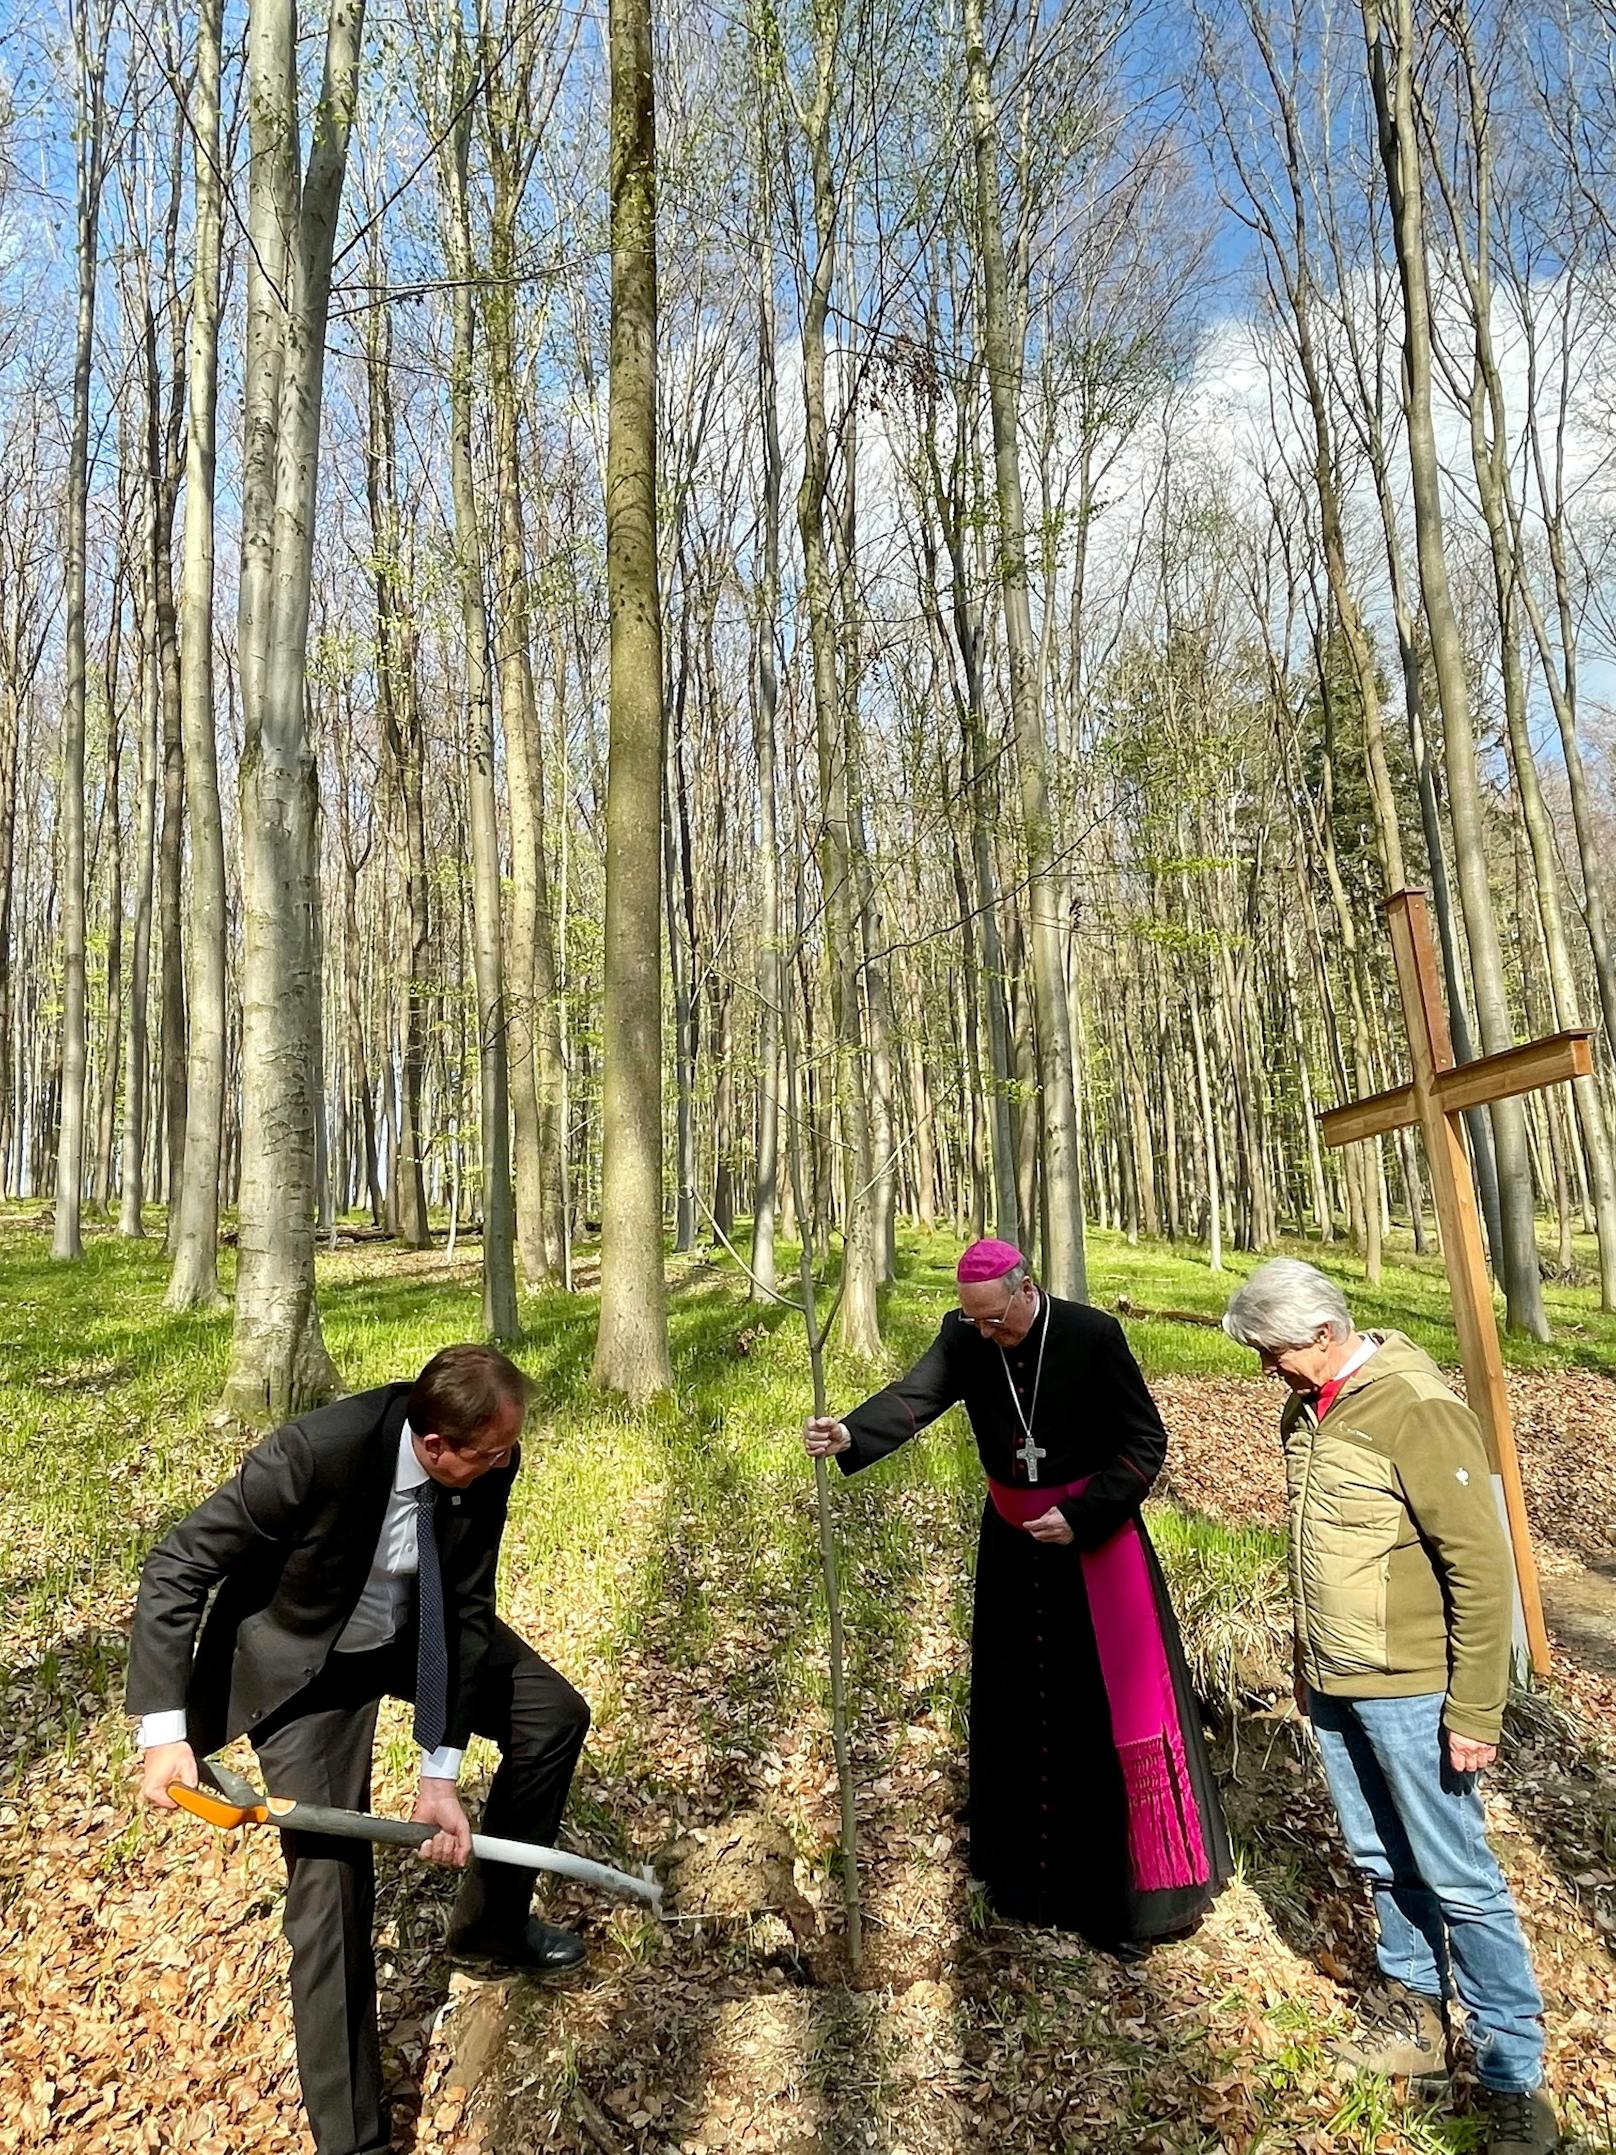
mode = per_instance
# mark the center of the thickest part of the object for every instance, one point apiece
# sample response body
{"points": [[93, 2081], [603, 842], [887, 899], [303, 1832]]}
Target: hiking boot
{"points": [[1519, 2121], [1405, 2035]]}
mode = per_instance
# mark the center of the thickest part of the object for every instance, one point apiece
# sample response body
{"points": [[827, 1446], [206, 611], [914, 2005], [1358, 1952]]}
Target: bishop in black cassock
{"points": [[1092, 1803]]}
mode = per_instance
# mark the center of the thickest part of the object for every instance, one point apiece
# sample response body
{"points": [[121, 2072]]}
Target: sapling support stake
{"points": [[827, 1530]]}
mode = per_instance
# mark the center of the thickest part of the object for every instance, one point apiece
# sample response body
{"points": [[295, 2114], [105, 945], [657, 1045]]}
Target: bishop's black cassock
{"points": [[1049, 1810]]}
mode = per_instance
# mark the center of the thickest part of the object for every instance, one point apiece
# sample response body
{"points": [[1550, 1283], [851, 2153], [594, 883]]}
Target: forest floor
{"points": [[668, 1563]]}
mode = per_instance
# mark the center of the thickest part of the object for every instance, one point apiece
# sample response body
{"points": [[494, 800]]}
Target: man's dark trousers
{"points": [[317, 1749]]}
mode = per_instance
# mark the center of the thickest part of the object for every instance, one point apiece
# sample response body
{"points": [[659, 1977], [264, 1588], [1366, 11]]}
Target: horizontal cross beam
{"points": [[1495, 1077], [1370, 1117], [1466, 1085]]}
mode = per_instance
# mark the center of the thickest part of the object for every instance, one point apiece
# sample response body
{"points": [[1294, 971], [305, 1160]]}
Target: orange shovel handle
{"points": [[206, 1803]]}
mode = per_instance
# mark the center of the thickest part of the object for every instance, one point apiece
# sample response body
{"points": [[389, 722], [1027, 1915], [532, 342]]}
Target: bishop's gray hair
{"points": [[1283, 1304]]}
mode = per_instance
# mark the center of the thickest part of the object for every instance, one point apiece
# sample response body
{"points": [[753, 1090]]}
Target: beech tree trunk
{"points": [[533, 1035], [631, 1345], [858, 1320], [89, 45], [279, 1364], [500, 1315], [1390, 54], [771, 975], [194, 1281], [112, 824], [1064, 1272], [135, 1105], [399, 714]]}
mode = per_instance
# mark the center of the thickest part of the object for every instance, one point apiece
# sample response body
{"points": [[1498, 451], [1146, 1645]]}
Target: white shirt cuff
{"points": [[443, 1764], [168, 1727]]}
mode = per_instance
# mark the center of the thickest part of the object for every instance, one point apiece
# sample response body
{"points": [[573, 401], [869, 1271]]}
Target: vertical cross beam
{"points": [[1469, 1280], [1437, 1099]]}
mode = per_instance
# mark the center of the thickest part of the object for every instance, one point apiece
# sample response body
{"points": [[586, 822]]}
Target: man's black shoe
{"points": [[539, 1949]]}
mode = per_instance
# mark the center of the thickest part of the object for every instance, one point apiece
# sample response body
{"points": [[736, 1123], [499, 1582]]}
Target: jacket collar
{"points": [[382, 1461], [1394, 1353]]}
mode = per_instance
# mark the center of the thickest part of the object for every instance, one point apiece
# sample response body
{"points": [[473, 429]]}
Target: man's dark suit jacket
{"points": [[288, 1542]]}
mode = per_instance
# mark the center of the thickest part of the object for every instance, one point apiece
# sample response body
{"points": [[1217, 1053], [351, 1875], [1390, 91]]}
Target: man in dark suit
{"points": [[353, 1556]]}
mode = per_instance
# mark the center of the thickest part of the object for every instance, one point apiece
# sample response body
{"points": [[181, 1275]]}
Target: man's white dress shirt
{"points": [[382, 1611], [1356, 1360]]}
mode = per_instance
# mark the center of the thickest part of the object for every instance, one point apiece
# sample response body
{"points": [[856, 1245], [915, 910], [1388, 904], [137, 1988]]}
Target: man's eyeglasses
{"points": [[988, 1324]]}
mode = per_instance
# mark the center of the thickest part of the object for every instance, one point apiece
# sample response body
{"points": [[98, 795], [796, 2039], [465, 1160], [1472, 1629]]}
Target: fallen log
{"points": [[1125, 1307]]}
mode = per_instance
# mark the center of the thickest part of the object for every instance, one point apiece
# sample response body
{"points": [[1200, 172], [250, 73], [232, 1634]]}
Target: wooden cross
{"points": [[1440, 1093]]}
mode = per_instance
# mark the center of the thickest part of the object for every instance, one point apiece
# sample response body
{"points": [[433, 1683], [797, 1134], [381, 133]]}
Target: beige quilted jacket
{"points": [[1400, 1573]]}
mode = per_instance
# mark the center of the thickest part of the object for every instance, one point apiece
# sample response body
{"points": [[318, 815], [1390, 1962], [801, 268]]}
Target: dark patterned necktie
{"points": [[432, 1646]]}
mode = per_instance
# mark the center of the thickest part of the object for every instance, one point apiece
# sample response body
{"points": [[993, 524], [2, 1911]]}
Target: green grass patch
{"points": [[1233, 1602], [684, 1525], [1411, 1296]]}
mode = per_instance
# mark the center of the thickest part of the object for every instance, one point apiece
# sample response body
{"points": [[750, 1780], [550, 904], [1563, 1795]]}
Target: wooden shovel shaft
{"points": [[350, 1825], [294, 1817]]}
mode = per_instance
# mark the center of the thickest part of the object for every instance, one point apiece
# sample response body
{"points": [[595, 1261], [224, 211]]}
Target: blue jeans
{"points": [[1415, 1828]]}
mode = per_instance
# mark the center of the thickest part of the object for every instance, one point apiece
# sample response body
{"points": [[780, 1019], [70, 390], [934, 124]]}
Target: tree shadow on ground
{"points": [[719, 1643], [48, 1705], [1287, 1845], [1557, 1838], [1581, 1607], [1562, 1796]]}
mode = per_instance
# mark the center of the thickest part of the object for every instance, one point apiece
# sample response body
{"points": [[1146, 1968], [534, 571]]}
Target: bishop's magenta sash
{"points": [[1165, 1843]]}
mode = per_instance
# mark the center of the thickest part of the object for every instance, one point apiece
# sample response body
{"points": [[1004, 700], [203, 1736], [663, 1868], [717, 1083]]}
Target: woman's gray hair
{"points": [[1283, 1304]]}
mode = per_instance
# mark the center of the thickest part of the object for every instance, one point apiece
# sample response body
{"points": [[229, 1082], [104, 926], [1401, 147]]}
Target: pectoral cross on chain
{"points": [[1029, 1453]]}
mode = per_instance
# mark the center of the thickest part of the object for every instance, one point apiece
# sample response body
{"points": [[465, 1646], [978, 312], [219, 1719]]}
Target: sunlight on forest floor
{"points": [[668, 1562]]}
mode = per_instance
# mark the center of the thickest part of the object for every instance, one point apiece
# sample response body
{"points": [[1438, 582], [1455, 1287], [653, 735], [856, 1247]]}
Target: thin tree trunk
{"points": [[10, 739], [1063, 1267], [858, 1319], [133, 1191], [399, 715], [89, 44], [765, 709], [532, 1034], [112, 819], [981, 788], [875, 1017], [1390, 58], [969, 990], [354, 1006], [194, 1281], [1489, 452], [1290, 252], [723, 1116], [171, 843], [1209, 1133], [679, 906], [1478, 1128], [500, 1314], [1562, 685]]}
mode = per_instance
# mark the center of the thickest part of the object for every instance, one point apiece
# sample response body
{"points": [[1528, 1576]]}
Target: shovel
{"points": [[235, 1802]]}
